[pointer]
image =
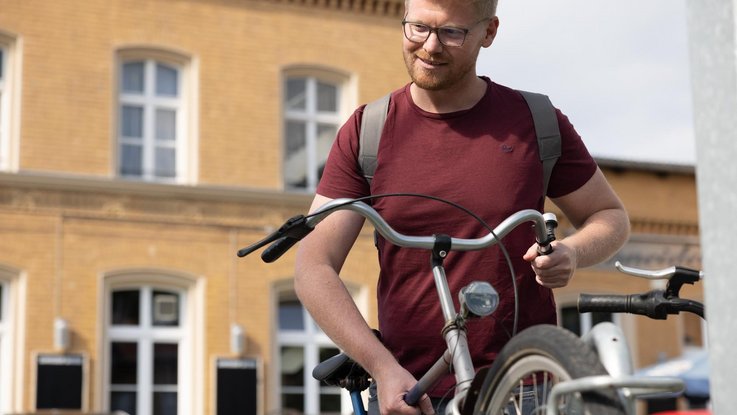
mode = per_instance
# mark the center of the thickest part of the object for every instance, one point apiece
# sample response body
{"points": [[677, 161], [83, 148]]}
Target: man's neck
{"points": [[458, 98]]}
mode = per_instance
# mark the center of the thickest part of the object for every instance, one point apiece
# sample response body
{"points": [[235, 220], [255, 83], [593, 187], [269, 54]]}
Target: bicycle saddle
{"points": [[341, 370]]}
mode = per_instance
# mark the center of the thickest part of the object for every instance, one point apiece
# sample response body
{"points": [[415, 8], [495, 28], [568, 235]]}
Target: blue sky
{"points": [[619, 70]]}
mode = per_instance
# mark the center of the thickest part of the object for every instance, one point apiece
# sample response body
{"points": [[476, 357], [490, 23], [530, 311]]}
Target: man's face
{"points": [[433, 65]]}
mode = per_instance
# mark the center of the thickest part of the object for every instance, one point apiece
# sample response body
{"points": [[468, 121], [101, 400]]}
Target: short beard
{"points": [[433, 82]]}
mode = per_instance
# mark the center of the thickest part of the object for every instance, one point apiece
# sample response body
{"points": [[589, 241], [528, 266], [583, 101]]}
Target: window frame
{"points": [[345, 96], [284, 290], [311, 340], [11, 339], [9, 102], [188, 335], [4, 144], [5, 337], [185, 142]]}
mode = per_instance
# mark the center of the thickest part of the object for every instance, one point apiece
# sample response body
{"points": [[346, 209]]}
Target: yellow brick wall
{"points": [[238, 48], [65, 243]]}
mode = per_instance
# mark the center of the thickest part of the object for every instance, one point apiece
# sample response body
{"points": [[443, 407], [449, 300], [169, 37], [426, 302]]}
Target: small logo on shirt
{"points": [[506, 148]]}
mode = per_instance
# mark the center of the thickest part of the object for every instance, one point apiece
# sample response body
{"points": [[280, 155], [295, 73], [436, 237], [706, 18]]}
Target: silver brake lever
{"points": [[662, 274]]}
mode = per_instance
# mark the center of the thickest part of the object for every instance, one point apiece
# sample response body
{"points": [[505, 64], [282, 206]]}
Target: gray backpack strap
{"points": [[547, 131], [372, 124]]}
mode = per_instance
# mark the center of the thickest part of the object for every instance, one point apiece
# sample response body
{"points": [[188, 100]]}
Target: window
{"points": [[581, 323], [301, 346], [147, 347], [3, 107], [4, 369], [312, 115], [11, 354], [9, 82], [154, 135]]}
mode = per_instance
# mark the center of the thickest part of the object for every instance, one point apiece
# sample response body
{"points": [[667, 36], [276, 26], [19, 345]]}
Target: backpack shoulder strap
{"points": [[547, 131], [372, 124]]}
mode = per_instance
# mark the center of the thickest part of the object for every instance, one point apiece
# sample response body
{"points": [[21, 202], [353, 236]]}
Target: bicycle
{"points": [[534, 362], [608, 340]]}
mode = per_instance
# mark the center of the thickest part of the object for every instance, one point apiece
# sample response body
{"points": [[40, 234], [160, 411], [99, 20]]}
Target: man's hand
{"points": [[392, 387], [556, 269]]}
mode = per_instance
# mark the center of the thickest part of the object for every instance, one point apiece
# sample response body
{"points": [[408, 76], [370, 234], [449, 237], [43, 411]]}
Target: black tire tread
{"points": [[561, 345]]}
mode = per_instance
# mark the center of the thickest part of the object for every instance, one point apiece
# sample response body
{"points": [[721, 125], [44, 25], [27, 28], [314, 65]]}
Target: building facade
{"points": [[143, 142]]}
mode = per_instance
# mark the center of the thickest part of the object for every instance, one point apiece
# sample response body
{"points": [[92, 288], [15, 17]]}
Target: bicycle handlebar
{"points": [[300, 226]]}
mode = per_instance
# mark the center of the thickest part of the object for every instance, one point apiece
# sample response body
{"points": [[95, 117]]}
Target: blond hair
{"points": [[484, 8]]}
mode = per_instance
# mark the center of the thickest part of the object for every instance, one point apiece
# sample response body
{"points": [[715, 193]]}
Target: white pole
{"points": [[714, 81]]}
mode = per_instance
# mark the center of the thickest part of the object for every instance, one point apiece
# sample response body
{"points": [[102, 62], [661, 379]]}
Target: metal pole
{"points": [[714, 82]]}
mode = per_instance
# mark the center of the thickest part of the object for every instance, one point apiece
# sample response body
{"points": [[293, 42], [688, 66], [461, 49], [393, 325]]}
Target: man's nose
{"points": [[432, 43]]}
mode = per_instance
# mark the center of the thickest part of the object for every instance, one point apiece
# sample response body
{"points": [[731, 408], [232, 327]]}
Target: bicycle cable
{"points": [[483, 223], [447, 393]]}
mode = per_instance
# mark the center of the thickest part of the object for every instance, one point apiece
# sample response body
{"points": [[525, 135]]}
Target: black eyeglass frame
{"points": [[437, 32]]}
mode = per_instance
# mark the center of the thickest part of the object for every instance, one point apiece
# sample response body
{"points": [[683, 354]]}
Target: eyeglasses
{"points": [[448, 36]]}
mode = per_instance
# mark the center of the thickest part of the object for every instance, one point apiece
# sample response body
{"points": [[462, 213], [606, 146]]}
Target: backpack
{"points": [[543, 116]]}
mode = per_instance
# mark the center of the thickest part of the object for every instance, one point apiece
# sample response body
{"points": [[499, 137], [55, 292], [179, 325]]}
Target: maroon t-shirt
{"points": [[484, 158]]}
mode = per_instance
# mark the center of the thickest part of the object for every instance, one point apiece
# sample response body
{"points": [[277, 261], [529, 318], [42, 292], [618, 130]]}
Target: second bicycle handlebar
{"points": [[656, 304]]}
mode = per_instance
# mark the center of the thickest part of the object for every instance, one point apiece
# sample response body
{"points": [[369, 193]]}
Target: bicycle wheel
{"points": [[531, 363]]}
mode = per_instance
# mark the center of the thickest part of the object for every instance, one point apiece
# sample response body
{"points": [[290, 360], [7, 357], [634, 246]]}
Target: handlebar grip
{"points": [[651, 304], [551, 223], [544, 249], [413, 396], [608, 303], [278, 248]]}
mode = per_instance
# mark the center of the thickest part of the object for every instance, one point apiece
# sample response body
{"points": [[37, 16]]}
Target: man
{"points": [[455, 135]]}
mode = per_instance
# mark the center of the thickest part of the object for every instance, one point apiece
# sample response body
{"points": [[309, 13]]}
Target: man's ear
{"points": [[491, 31]]}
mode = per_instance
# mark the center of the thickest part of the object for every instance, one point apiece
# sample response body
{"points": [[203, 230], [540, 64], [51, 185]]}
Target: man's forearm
{"points": [[600, 237], [324, 295]]}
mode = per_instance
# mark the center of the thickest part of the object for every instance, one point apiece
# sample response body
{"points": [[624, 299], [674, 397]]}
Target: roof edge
{"points": [[648, 166]]}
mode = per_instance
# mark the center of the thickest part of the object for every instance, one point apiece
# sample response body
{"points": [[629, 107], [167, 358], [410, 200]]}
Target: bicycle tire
{"points": [[540, 351]]}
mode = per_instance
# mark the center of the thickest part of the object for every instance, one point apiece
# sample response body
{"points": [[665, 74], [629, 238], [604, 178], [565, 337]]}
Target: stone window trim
{"points": [[10, 86], [12, 329]]}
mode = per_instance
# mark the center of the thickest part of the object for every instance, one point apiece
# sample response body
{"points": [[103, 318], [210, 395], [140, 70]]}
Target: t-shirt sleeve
{"points": [[575, 166], [342, 175]]}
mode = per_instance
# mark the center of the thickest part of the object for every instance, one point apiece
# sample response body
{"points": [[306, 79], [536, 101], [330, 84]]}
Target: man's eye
{"points": [[420, 28], [453, 33]]}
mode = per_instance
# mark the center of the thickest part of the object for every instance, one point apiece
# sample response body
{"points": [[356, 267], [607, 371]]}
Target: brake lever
{"points": [[295, 227], [258, 245]]}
